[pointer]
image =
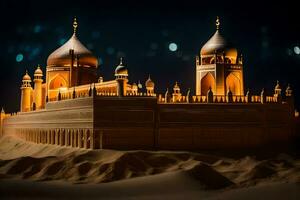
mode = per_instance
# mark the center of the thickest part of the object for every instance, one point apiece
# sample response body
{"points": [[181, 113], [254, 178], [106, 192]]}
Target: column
{"points": [[85, 139], [79, 138], [71, 138], [92, 140]]}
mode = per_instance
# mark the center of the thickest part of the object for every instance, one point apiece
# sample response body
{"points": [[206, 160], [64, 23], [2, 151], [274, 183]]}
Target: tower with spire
{"points": [[26, 93], [38, 80], [219, 66], [70, 65], [121, 75]]}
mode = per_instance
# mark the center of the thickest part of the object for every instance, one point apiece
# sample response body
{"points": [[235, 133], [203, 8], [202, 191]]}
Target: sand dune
{"points": [[191, 173]]}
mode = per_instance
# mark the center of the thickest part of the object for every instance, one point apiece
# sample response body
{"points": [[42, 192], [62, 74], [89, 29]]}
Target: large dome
{"points": [[62, 56], [218, 44]]}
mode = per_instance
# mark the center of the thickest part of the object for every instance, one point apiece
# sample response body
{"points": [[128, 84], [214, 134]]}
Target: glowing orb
{"points": [[19, 57], [173, 46], [297, 50]]}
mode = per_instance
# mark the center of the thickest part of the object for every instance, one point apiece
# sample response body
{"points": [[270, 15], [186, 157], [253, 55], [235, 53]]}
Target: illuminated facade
{"points": [[219, 67], [74, 107], [71, 67]]}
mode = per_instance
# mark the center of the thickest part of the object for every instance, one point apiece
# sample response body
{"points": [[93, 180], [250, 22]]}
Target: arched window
{"points": [[228, 60], [57, 82], [219, 60]]}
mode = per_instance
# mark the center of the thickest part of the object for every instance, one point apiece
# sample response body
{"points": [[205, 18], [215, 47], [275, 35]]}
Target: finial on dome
{"points": [[217, 23], [121, 61], [75, 25]]}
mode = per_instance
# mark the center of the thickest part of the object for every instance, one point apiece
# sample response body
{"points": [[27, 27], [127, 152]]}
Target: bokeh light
{"points": [[297, 50], [110, 50], [153, 46], [37, 29], [62, 41], [289, 52], [100, 60], [173, 46], [19, 57]]}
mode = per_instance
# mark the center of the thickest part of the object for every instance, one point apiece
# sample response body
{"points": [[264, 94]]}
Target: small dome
{"points": [[38, 71], [289, 88], [176, 86], [121, 70], [277, 87], [149, 83], [26, 77]]}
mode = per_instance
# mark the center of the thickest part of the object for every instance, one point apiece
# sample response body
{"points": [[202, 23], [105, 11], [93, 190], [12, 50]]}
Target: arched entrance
{"points": [[233, 82], [207, 81], [57, 82]]}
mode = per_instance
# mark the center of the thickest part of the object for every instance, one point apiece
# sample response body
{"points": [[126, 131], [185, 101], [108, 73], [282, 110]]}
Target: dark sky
{"points": [[266, 34]]}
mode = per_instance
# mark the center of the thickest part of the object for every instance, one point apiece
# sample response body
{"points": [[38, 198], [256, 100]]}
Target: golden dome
{"points": [[38, 72], [218, 44], [121, 70], [149, 83], [62, 55], [26, 77]]}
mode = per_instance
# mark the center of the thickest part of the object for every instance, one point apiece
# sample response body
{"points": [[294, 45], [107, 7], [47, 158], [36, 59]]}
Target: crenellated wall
{"points": [[143, 123]]}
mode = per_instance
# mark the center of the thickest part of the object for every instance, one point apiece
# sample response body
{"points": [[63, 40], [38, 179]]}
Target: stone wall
{"points": [[68, 123], [211, 126], [142, 123], [125, 123]]}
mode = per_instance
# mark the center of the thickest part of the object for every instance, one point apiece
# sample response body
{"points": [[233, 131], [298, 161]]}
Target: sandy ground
{"points": [[36, 171]]}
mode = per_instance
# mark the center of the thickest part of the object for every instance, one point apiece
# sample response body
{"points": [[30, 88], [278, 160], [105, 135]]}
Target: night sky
{"points": [[267, 34]]}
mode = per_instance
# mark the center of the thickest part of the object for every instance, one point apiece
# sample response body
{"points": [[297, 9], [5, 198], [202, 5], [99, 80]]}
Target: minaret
{"points": [[121, 74], [38, 80], [26, 93]]}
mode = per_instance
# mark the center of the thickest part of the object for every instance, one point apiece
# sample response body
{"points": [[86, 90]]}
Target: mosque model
{"points": [[73, 107]]}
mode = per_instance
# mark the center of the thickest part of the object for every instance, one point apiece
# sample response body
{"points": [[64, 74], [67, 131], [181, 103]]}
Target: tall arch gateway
{"points": [[219, 61]]}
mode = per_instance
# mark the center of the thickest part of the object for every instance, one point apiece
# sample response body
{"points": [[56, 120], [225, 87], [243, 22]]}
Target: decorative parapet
{"points": [[217, 99], [180, 99]]}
